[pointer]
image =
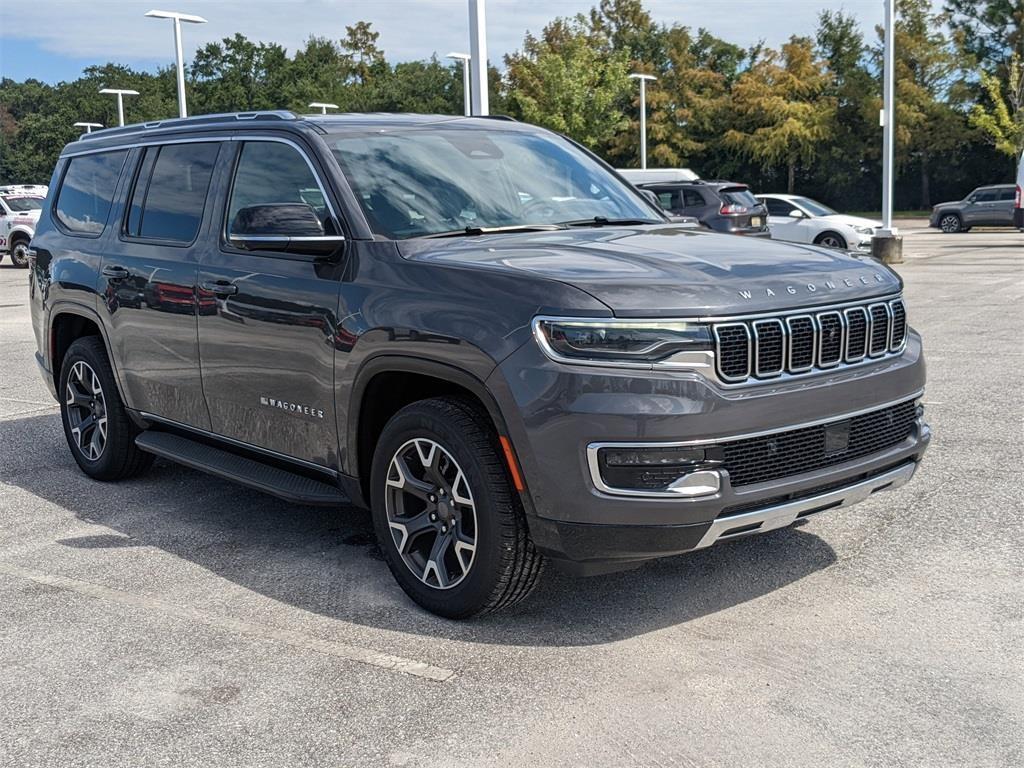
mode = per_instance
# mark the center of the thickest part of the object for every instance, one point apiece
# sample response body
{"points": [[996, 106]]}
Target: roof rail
{"points": [[497, 117], [276, 114]]}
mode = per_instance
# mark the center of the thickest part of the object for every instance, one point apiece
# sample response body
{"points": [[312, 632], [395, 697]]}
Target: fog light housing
{"points": [[662, 470]]}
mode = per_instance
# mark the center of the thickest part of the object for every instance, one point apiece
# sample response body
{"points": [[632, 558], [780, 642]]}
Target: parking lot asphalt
{"points": [[179, 620]]}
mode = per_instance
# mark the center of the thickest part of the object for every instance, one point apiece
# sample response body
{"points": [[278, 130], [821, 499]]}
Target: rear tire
{"points": [[450, 527], [19, 253], [99, 433], [951, 223]]}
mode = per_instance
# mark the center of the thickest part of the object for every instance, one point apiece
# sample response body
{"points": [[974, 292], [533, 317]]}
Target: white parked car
{"points": [[803, 220], [20, 207]]}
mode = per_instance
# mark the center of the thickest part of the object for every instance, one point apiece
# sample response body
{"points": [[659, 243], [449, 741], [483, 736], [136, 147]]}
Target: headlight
{"points": [[641, 342], [865, 230]]}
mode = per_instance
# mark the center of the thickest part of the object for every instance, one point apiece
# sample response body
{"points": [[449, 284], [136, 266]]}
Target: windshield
{"points": [[413, 182], [19, 204], [813, 207]]}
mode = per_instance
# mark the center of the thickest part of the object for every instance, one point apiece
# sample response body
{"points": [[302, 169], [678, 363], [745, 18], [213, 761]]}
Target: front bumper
{"points": [[554, 412]]}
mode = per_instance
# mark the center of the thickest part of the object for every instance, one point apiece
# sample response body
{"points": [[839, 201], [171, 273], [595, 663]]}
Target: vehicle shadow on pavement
{"points": [[326, 562]]}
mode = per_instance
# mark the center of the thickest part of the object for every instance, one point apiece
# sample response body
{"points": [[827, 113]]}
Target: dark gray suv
{"points": [[723, 206], [471, 327]]}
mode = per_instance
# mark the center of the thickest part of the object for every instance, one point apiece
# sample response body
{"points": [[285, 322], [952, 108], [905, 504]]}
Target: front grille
{"points": [[782, 454], [796, 343]]}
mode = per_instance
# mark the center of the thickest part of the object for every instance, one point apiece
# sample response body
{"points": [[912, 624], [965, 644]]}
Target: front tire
{"points": [[450, 527], [950, 223], [831, 240], [99, 433]]}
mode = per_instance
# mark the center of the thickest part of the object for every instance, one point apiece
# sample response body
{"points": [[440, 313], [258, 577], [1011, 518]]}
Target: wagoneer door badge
{"points": [[295, 408], [827, 285]]}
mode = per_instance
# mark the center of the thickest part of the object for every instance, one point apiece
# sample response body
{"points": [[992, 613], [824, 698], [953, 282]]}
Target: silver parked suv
{"points": [[984, 207]]}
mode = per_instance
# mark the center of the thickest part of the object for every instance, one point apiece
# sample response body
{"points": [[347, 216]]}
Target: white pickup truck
{"points": [[20, 206]]}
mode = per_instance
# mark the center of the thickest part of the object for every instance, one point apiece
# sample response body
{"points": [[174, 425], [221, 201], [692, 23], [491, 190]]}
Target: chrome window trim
{"points": [[821, 338], [718, 357], [867, 334], [757, 346], [789, 346]]}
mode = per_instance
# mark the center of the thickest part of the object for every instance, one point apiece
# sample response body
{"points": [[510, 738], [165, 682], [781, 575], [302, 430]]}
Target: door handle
{"points": [[220, 287], [115, 273]]}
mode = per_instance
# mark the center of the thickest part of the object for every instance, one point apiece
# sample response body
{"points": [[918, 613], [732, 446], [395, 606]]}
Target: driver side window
{"points": [[274, 175], [778, 207]]}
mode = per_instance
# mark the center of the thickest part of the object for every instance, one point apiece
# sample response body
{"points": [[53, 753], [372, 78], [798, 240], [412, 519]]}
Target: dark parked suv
{"points": [[723, 206], [470, 326]]}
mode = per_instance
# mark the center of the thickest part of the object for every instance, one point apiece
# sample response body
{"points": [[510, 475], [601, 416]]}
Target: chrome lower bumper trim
{"points": [[782, 515]]}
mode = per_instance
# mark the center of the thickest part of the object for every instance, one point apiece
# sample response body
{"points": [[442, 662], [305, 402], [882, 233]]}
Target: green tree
{"points": [[783, 115], [1003, 121]]}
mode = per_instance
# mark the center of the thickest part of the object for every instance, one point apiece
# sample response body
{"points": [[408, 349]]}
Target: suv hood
{"points": [[665, 270]]}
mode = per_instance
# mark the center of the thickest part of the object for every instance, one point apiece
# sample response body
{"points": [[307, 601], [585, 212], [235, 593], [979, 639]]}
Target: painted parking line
{"points": [[273, 634]]}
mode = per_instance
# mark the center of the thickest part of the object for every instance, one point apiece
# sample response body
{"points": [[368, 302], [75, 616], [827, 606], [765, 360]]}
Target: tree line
{"points": [[802, 117]]}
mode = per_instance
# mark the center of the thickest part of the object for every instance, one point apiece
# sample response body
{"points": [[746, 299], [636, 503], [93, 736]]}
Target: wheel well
{"points": [[386, 394], [64, 331], [828, 232], [17, 237]]}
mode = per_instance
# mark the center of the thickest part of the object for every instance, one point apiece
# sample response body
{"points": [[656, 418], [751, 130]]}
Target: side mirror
{"points": [[282, 227], [796, 213]]}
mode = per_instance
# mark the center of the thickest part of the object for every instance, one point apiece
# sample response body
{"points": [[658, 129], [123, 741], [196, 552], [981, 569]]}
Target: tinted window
{"points": [[987, 196], [170, 191], [1006, 194], [270, 172], [413, 182], [778, 207], [692, 199], [88, 187], [739, 196], [19, 204]]}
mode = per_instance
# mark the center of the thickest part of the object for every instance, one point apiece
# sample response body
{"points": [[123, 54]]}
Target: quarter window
{"points": [[692, 199], [87, 190], [271, 173], [170, 191]]}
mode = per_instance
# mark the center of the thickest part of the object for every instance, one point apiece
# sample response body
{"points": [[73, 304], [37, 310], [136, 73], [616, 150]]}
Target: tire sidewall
{"points": [[834, 235], [86, 352], [959, 223], [473, 592], [23, 262]]}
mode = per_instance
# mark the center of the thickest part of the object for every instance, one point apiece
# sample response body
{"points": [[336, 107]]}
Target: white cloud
{"points": [[117, 30]]}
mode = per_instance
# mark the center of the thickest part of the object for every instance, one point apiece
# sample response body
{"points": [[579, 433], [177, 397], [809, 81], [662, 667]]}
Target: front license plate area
{"points": [[837, 438]]}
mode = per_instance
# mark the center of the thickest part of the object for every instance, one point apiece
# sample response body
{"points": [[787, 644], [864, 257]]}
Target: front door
{"points": [[267, 343], [149, 280]]}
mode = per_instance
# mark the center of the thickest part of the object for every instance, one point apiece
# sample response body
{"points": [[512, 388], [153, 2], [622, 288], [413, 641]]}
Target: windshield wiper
{"points": [[604, 221], [472, 231]]}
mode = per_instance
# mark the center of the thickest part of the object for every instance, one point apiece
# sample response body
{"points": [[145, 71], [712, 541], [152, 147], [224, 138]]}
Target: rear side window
{"points": [[170, 192], [87, 190], [1006, 194], [692, 199], [269, 172]]}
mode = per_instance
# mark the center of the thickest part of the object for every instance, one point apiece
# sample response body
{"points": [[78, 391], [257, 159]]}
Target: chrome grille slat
{"points": [[762, 347]]}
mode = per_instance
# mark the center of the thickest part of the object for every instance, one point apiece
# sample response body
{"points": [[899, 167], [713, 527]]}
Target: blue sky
{"points": [[53, 40]]}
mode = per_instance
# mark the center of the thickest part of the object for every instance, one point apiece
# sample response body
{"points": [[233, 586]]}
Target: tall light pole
{"points": [[121, 93], [478, 56], [323, 106], [88, 126], [886, 244], [467, 97], [643, 114], [178, 18]]}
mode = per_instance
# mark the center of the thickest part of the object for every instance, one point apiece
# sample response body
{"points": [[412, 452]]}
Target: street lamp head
{"points": [[186, 17], [323, 106], [88, 126], [463, 57], [641, 76], [122, 91]]}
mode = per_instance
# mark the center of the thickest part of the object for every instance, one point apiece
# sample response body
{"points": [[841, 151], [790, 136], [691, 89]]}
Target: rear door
{"points": [[1003, 207], [148, 279], [694, 204], [267, 333]]}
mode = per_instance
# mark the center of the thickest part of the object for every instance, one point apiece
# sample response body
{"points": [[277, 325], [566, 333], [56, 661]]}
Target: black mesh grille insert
{"points": [[801, 343], [856, 333], [899, 324], [879, 329], [759, 459], [830, 341], [770, 347], [733, 351]]}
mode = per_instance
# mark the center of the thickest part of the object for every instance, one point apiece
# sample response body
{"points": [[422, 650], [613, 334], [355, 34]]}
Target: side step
{"points": [[239, 469]]}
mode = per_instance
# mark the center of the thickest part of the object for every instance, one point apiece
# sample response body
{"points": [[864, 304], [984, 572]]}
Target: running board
{"points": [[781, 515], [239, 469]]}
